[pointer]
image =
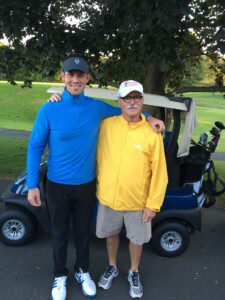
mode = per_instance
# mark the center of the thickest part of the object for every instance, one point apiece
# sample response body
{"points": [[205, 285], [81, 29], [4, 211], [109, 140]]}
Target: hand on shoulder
{"points": [[56, 97], [157, 125]]}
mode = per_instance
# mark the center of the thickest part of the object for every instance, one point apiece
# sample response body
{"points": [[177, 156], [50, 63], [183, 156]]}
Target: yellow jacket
{"points": [[131, 166]]}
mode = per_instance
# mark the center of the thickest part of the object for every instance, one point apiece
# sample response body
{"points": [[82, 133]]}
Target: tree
{"points": [[143, 40], [150, 40], [48, 36]]}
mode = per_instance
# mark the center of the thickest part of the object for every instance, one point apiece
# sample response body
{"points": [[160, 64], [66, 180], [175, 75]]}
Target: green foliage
{"points": [[149, 41], [189, 73], [219, 80], [219, 68], [133, 35], [50, 37], [35, 76], [209, 25], [193, 71]]}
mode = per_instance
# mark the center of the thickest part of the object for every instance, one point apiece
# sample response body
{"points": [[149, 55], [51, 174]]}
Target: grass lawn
{"points": [[12, 156], [13, 161], [220, 168], [18, 108], [209, 108]]}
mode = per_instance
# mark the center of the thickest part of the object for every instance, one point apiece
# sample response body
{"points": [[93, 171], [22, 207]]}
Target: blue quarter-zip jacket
{"points": [[70, 128]]}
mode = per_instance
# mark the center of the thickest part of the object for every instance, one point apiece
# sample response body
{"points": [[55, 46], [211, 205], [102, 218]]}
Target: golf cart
{"points": [[186, 192]]}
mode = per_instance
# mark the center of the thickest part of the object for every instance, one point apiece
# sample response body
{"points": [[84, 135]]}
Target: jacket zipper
{"points": [[121, 158]]}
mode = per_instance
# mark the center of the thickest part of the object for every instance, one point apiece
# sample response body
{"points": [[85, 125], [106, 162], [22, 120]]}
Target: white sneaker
{"points": [[87, 284], [59, 288]]}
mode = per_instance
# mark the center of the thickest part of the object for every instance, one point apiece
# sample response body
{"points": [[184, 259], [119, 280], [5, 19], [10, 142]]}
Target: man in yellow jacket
{"points": [[132, 180]]}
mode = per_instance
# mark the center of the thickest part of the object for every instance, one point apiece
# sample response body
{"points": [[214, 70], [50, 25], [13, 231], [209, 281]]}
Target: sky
{"points": [[70, 20], [5, 41]]}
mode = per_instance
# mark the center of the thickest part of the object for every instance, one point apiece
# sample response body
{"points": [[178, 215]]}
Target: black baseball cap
{"points": [[75, 63]]}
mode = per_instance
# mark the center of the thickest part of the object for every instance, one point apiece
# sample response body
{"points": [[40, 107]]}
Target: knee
{"points": [[113, 238]]}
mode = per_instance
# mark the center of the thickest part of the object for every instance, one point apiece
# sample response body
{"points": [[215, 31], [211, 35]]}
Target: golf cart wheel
{"points": [[16, 227], [170, 239]]}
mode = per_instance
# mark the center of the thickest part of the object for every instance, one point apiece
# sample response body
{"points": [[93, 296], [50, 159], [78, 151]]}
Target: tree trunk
{"points": [[155, 82]]}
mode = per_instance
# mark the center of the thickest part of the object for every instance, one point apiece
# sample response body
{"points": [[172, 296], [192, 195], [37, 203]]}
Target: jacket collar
{"points": [[77, 100], [134, 124]]}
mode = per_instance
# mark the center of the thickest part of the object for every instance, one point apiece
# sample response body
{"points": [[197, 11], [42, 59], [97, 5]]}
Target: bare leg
{"points": [[135, 255], [112, 244]]}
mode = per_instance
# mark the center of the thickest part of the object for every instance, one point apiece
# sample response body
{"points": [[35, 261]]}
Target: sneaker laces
{"points": [[135, 279], [85, 276], [109, 271], [59, 282]]}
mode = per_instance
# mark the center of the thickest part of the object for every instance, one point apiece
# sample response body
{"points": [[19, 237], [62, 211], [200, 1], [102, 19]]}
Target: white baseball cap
{"points": [[129, 86]]}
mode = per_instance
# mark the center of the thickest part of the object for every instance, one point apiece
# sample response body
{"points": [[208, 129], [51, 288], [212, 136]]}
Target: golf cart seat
{"points": [[182, 198]]}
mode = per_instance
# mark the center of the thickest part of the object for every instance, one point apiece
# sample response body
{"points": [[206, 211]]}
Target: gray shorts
{"points": [[110, 222]]}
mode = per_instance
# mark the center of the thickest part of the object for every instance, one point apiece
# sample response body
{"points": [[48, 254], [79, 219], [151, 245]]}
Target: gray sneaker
{"points": [[136, 290], [106, 278]]}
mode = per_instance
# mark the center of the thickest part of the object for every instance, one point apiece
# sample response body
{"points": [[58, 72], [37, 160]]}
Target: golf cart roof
{"points": [[178, 103]]}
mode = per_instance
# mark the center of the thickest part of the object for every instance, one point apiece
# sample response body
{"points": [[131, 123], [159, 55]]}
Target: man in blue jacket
{"points": [[70, 128]]}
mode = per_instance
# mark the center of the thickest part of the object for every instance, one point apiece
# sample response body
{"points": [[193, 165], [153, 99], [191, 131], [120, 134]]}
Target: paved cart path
{"points": [[15, 133], [25, 272], [26, 134]]}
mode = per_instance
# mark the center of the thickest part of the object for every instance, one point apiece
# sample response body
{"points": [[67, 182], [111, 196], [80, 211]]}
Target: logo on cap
{"points": [[130, 83], [77, 61]]}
